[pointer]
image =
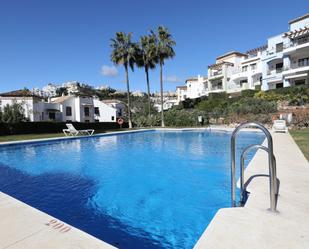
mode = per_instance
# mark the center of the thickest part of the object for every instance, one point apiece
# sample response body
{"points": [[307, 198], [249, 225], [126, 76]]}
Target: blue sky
{"points": [[44, 41]]}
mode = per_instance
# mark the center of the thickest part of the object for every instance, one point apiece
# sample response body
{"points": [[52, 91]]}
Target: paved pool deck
{"points": [[24, 227], [254, 226]]}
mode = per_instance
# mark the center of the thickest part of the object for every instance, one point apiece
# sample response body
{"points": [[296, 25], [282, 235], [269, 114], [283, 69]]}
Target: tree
{"points": [[13, 114], [165, 44], [61, 90], [148, 59], [124, 53]]}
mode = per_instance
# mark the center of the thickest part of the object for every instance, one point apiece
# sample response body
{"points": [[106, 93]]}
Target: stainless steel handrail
{"points": [[242, 167], [271, 162]]}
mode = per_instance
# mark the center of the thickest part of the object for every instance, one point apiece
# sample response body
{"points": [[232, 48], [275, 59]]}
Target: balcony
{"points": [[296, 68], [295, 45]]}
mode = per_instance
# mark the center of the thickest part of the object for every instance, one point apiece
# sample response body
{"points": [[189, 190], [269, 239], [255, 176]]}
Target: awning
{"points": [[297, 33]]}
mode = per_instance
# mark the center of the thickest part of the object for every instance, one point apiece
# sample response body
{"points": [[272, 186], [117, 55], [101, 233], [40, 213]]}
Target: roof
{"points": [[181, 87], [230, 53], [111, 101], [191, 79], [61, 99], [217, 65], [299, 18], [19, 93], [258, 49]]}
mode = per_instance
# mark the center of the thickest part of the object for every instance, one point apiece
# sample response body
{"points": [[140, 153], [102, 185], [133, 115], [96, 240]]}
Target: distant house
{"points": [[121, 107], [35, 109], [68, 108], [75, 108]]}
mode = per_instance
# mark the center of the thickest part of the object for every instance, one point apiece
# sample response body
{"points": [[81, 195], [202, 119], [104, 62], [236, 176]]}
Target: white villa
{"points": [[68, 108], [283, 62]]}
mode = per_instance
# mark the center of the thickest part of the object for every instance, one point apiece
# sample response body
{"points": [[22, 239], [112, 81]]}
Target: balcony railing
{"points": [[216, 73], [216, 88], [296, 43], [295, 66]]}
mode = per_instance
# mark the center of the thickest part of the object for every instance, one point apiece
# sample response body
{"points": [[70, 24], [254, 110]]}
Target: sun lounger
{"points": [[280, 126], [71, 131]]}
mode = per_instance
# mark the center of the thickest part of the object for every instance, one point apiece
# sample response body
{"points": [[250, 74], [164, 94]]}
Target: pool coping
{"points": [[254, 226]]}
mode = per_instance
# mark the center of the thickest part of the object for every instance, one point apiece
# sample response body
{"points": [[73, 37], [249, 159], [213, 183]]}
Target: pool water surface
{"points": [[154, 189]]}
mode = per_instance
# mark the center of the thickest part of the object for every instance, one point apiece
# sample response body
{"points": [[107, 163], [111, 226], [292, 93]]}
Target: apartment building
{"points": [[282, 62], [286, 61]]}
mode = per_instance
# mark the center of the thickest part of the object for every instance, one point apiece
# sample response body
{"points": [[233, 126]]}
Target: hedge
{"points": [[53, 127]]}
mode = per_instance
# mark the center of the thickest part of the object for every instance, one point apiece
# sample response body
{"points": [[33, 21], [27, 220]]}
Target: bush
{"points": [[53, 127], [248, 93], [184, 118], [252, 105]]}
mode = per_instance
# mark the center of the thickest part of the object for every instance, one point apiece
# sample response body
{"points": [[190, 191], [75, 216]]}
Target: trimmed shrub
{"points": [[53, 127], [248, 93]]}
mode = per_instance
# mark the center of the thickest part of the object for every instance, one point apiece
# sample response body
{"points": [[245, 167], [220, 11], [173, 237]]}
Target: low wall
{"points": [[53, 127]]}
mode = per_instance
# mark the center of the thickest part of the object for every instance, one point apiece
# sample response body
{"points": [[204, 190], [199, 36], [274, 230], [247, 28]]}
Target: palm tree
{"points": [[124, 52], [165, 44], [148, 59]]}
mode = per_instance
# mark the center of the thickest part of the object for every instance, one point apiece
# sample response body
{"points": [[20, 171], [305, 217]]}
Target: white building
{"points": [[65, 108], [283, 62], [107, 113], [196, 87], [75, 108], [35, 109], [286, 61], [181, 92], [167, 104], [50, 90]]}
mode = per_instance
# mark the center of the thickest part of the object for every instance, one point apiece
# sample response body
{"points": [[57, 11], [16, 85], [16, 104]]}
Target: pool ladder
{"points": [[273, 181]]}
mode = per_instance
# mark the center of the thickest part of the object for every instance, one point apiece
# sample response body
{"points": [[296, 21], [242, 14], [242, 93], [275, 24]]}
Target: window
{"points": [[68, 121], [279, 85], [87, 121], [244, 69], [303, 62], [97, 111], [253, 66], [120, 112], [279, 67], [86, 112], [68, 111], [113, 118], [243, 82], [279, 47], [42, 115], [299, 82], [96, 120]]}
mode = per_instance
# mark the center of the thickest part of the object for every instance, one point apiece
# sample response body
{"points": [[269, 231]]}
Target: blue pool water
{"points": [[138, 190]]}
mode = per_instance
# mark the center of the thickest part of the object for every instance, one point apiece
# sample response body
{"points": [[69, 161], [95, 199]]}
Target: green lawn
{"points": [[46, 135], [301, 137], [29, 136]]}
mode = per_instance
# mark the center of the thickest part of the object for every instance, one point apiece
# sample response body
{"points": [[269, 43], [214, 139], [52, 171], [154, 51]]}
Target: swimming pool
{"points": [[154, 189]]}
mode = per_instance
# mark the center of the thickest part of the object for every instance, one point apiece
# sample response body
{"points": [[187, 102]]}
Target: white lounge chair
{"points": [[280, 125], [71, 131]]}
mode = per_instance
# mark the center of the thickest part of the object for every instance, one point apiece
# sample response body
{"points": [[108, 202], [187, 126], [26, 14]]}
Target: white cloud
{"points": [[110, 71], [173, 79]]}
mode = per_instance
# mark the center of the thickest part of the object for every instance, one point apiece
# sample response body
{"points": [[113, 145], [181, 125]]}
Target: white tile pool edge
{"points": [[254, 226]]}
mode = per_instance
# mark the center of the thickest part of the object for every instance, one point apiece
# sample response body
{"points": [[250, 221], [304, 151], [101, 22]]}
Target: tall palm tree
{"points": [[165, 50], [124, 53], [148, 59]]}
